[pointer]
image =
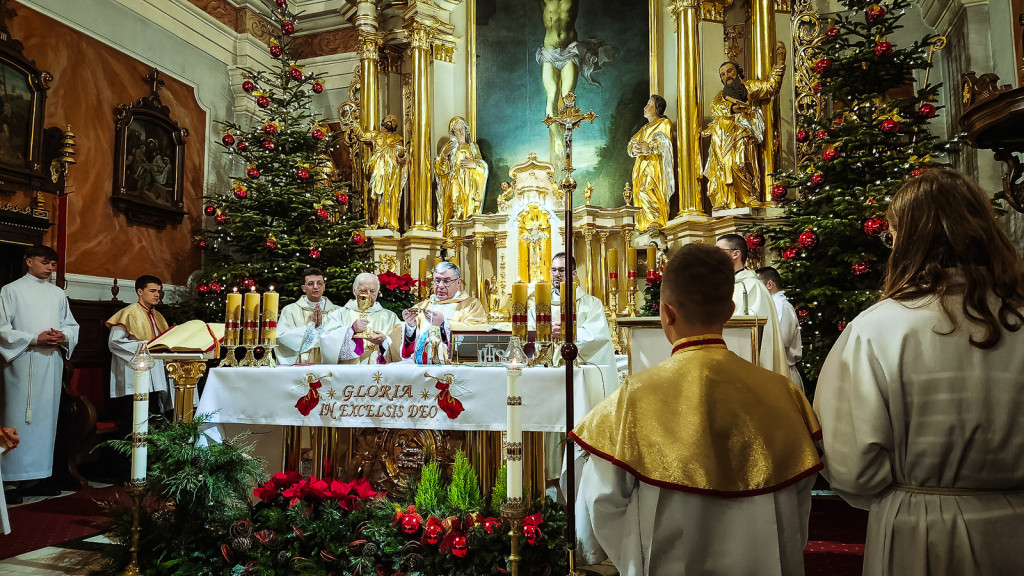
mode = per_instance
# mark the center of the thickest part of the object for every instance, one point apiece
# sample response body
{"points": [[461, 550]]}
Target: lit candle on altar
{"points": [[514, 435], [268, 334], [652, 260], [250, 322], [141, 362], [232, 318], [542, 295], [631, 258], [519, 310]]}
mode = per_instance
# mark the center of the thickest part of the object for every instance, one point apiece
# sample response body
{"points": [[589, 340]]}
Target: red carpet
{"points": [[55, 520], [835, 541]]}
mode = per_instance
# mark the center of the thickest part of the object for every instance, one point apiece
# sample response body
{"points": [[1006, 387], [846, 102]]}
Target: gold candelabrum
{"points": [[514, 510], [268, 336], [543, 347]]}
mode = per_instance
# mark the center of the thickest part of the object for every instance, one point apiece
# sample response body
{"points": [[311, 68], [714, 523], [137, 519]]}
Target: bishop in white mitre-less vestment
{"points": [[752, 299], [32, 372], [298, 337], [926, 432]]}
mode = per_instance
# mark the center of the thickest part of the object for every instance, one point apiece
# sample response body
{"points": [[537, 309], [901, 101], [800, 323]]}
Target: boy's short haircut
{"points": [[736, 242], [698, 282], [39, 250], [769, 273], [145, 280], [311, 272]]}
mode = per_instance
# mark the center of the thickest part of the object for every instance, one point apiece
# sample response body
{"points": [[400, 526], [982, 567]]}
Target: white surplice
{"points": [[624, 519], [337, 343], [789, 332], [32, 372], [753, 299], [122, 372], [298, 339], [902, 404]]}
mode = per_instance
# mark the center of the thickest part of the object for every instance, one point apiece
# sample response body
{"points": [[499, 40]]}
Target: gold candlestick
{"points": [[514, 510]]}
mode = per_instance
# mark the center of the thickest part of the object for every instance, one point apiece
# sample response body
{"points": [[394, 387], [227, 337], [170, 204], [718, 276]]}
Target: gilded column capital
{"points": [[478, 240], [714, 11], [588, 232], [420, 36], [678, 6], [785, 6], [500, 240], [369, 45]]}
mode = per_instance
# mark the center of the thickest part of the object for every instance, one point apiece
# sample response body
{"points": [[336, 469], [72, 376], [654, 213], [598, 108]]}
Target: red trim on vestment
{"points": [[701, 342]]}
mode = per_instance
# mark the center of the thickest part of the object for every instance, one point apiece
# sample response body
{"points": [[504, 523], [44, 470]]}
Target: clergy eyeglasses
{"points": [[445, 282]]}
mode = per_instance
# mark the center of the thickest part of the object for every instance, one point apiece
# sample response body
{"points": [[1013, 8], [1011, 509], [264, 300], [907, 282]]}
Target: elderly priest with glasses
{"points": [[357, 333], [424, 336]]}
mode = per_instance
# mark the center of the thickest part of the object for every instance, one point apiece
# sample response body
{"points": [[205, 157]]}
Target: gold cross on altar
{"points": [[569, 117]]}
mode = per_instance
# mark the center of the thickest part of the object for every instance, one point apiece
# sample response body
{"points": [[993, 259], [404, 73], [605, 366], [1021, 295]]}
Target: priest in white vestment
{"points": [[752, 299], [344, 340], [594, 341], [447, 309], [922, 407], [301, 324], [702, 464], [132, 325], [37, 332], [789, 324]]}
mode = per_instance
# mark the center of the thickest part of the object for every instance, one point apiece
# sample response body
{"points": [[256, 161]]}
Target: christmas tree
{"points": [[287, 209], [872, 135]]}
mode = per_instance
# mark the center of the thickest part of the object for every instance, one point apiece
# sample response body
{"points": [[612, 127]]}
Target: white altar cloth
{"points": [[394, 396]]}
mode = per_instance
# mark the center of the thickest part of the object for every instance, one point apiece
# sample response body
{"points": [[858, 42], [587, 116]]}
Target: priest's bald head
{"points": [[696, 292]]}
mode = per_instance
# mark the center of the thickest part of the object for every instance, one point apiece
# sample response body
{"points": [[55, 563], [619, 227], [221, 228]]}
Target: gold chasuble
{"points": [[140, 322], [705, 421]]}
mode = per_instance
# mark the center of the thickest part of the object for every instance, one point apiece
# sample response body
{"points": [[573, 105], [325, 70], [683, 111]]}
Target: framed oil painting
{"points": [[22, 106], [149, 162], [599, 49]]}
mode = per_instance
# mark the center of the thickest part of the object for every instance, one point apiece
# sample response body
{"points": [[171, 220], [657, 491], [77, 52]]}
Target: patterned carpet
{"points": [[47, 522]]}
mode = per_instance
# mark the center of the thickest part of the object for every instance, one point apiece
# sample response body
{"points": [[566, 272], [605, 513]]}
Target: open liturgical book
{"points": [[192, 336]]}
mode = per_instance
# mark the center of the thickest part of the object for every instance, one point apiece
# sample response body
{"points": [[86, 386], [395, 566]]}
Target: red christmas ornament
{"points": [[262, 101], [817, 179], [247, 283], [875, 12], [823, 65], [270, 129], [302, 174], [241, 193], [802, 136], [802, 315], [926, 111], [832, 32], [460, 547], [875, 226], [883, 49], [779, 192], [203, 244], [288, 27], [318, 134], [318, 87], [270, 244], [276, 51], [808, 239], [358, 238], [248, 86], [433, 533], [314, 254], [818, 87], [252, 173], [227, 140], [861, 268], [322, 214], [241, 145], [209, 210], [755, 241], [872, 201], [268, 145], [282, 4], [830, 154], [533, 534], [220, 219], [341, 198], [215, 286], [821, 134], [917, 172], [841, 325], [202, 289], [890, 126], [790, 253], [492, 525], [296, 74], [410, 523]]}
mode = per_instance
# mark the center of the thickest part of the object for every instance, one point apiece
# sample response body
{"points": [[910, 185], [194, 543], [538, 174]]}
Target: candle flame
{"points": [[235, 289], [271, 288]]}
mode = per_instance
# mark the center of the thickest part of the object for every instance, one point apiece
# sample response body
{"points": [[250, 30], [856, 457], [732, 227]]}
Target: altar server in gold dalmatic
{"points": [[653, 172], [447, 309], [702, 464], [132, 325], [347, 338], [301, 324], [461, 175]]}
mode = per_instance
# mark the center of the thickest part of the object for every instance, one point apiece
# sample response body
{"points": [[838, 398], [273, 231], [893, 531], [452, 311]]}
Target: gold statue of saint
{"points": [[364, 302], [733, 168], [388, 170], [461, 176], [653, 172]]}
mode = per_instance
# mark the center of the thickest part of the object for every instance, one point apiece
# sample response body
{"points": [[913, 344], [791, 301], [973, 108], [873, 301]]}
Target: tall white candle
{"points": [[140, 422], [514, 482]]}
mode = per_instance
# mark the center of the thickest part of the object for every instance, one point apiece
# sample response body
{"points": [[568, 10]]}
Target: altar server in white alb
{"points": [[752, 299], [132, 325], [37, 331], [921, 400], [702, 464], [343, 342], [301, 324], [789, 323]]}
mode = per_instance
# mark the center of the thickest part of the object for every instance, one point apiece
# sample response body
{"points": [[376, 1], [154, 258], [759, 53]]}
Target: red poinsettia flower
{"points": [[297, 490], [318, 488], [363, 489], [266, 492], [286, 478], [389, 280]]}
